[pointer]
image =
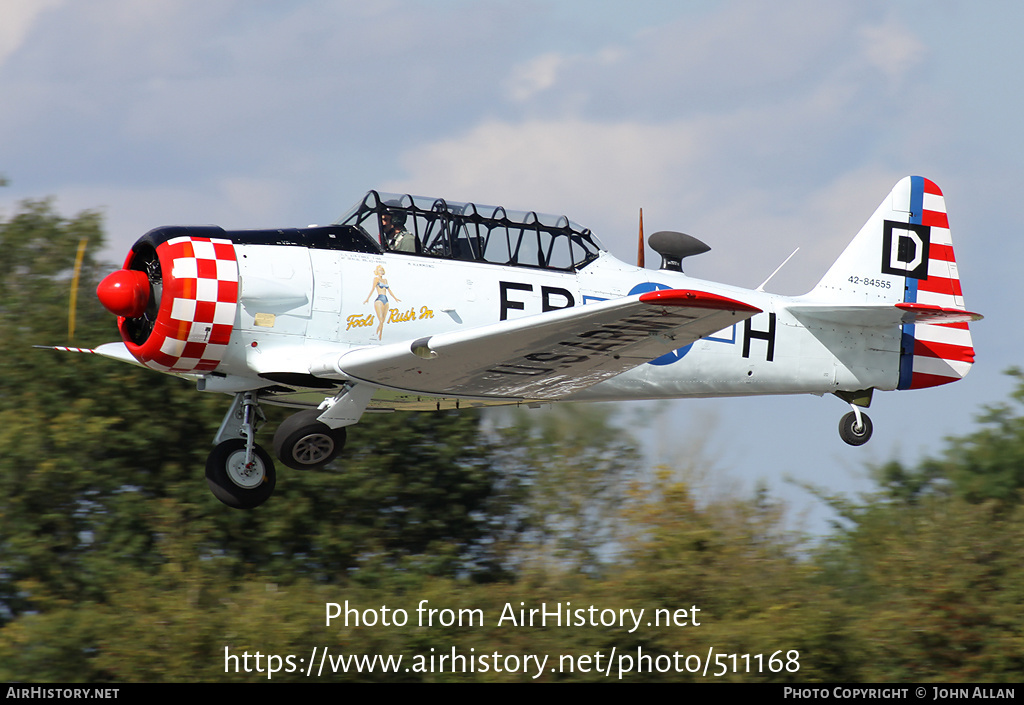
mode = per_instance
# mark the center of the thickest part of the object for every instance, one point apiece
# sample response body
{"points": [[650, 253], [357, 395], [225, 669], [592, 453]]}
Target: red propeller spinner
{"points": [[124, 293]]}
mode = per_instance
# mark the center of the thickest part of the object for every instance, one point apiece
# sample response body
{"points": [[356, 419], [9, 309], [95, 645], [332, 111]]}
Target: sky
{"points": [[757, 127]]}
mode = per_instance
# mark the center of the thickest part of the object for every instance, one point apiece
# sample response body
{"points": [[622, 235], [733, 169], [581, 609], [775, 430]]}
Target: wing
{"points": [[542, 357]]}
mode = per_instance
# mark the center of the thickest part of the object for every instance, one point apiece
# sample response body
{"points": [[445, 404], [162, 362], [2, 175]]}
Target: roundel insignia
{"points": [[675, 355]]}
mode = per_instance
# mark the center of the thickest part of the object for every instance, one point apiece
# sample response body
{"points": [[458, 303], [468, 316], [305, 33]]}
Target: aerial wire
{"points": [[640, 245]]}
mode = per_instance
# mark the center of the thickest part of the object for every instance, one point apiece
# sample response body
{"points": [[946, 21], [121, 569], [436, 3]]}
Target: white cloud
{"points": [[536, 75], [601, 174], [539, 158], [746, 127], [19, 17], [892, 49]]}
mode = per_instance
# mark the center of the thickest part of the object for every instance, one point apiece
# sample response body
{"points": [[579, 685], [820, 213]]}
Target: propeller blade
{"points": [[73, 303]]}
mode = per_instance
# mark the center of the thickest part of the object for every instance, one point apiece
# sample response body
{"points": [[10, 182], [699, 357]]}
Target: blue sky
{"points": [[757, 127]]}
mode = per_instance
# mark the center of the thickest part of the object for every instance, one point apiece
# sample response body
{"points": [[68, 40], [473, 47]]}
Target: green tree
{"points": [[987, 463], [569, 465], [929, 565]]}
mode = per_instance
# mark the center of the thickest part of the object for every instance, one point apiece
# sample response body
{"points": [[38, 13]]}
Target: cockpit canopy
{"points": [[466, 231]]}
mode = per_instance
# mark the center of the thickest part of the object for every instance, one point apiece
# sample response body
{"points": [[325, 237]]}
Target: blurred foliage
{"points": [[117, 565], [985, 464], [569, 466]]}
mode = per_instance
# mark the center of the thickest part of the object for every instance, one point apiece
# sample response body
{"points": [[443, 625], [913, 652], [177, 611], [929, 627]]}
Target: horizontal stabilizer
{"points": [[928, 313], [882, 315], [546, 356]]}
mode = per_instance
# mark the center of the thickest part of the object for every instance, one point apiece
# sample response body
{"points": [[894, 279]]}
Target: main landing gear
{"points": [[302, 442], [241, 473]]}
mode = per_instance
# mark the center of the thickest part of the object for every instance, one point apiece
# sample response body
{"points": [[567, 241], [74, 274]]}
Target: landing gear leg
{"points": [[239, 472]]}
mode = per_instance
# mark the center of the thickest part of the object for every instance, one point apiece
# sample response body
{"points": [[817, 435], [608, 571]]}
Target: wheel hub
{"points": [[242, 475], [313, 449]]}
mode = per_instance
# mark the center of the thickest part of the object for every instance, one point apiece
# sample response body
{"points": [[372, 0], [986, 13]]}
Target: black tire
{"points": [[849, 432], [231, 483], [303, 443]]}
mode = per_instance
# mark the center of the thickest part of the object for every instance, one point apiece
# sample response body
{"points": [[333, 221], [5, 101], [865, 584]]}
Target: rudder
{"points": [[934, 354]]}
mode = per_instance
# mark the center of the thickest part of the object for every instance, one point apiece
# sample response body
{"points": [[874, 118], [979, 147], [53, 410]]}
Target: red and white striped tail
{"points": [[934, 354]]}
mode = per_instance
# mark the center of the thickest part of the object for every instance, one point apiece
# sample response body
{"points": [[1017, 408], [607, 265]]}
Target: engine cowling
{"points": [[176, 298]]}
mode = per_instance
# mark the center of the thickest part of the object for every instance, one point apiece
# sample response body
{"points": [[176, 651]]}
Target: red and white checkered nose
{"points": [[198, 299]]}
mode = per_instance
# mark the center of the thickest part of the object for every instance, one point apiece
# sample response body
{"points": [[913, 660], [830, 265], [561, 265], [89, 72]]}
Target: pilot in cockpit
{"points": [[396, 237]]}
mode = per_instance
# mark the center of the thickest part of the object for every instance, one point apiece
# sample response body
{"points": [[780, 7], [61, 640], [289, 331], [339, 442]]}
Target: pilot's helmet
{"points": [[396, 212]]}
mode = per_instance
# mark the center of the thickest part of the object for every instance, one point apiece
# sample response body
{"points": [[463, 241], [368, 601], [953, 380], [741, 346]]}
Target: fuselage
{"points": [[317, 300]]}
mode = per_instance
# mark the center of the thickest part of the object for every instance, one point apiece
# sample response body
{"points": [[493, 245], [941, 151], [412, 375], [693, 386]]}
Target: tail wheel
{"points": [[851, 432], [304, 443], [233, 482]]}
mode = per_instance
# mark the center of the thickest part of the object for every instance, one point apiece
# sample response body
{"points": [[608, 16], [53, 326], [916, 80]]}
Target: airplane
{"points": [[422, 304]]}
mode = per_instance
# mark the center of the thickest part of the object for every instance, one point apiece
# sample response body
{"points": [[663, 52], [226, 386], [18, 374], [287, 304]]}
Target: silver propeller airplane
{"points": [[419, 304]]}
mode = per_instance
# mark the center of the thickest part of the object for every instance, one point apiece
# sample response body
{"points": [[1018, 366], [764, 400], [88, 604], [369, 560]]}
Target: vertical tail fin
{"points": [[904, 254]]}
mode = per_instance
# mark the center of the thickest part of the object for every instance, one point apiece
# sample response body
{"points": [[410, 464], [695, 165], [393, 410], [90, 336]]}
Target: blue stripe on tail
{"points": [[910, 289]]}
